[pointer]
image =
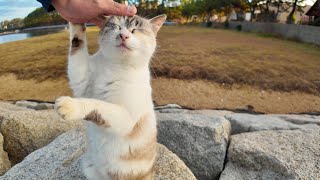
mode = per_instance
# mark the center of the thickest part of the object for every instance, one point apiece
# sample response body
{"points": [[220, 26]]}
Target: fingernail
{"points": [[131, 9]]}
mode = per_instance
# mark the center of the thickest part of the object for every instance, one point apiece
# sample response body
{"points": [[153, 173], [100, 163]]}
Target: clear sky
{"points": [[10, 9]]}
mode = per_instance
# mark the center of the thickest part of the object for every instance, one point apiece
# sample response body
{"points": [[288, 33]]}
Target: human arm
{"points": [[82, 11], [46, 5]]}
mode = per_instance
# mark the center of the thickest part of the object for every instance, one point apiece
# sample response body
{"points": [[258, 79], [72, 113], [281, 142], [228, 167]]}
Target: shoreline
{"points": [[7, 33]]}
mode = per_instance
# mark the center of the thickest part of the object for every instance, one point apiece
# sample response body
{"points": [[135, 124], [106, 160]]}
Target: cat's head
{"points": [[130, 38]]}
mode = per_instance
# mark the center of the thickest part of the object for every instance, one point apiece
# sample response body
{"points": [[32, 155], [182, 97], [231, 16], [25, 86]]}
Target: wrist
{"points": [[54, 3]]}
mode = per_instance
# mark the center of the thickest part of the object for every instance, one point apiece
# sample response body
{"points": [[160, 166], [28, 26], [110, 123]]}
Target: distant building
{"points": [[299, 15], [281, 17], [314, 12], [273, 16]]}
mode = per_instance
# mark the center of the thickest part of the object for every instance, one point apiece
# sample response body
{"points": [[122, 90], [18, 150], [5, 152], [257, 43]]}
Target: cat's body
{"points": [[113, 92]]}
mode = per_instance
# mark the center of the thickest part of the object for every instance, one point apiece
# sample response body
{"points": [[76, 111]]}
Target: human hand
{"points": [[82, 11]]}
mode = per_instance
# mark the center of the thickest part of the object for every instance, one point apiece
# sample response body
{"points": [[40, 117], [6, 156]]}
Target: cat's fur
{"points": [[113, 93]]}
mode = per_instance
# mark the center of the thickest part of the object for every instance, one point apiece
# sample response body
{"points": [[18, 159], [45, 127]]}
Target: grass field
{"points": [[195, 67]]}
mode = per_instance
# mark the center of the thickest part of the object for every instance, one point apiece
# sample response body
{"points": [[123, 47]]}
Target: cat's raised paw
{"points": [[77, 29], [68, 108]]}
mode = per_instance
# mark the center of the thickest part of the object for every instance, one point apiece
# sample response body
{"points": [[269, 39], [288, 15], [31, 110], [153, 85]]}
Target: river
{"points": [[22, 36]]}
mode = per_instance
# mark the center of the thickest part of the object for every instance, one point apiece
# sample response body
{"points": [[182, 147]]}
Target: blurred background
{"points": [[254, 56]]}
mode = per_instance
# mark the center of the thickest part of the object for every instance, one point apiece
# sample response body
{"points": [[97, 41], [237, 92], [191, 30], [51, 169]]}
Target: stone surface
{"points": [[172, 110], [35, 105], [300, 119], [168, 106], [170, 166], [210, 112], [29, 130], [278, 146], [61, 160], [199, 140], [283, 154], [6, 106], [5, 164], [51, 160], [248, 123]]}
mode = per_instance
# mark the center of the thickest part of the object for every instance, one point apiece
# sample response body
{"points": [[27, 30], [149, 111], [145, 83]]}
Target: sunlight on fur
{"points": [[113, 94]]}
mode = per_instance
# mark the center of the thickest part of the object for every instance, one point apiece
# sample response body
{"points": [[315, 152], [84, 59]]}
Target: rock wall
{"points": [[212, 144]]}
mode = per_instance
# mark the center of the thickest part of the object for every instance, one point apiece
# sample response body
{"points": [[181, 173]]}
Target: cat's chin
{"points": [[118, 52], [124, 49]]}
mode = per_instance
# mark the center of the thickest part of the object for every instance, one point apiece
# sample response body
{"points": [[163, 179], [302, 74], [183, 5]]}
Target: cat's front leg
{"points": [[70, 108], [101, 113], [78, 61]]}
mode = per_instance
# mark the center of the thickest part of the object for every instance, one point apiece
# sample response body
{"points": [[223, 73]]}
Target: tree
{"points": [[16, 23], [296, 4], [227, 6], [282, 6], [253, 5], [39, 17], [188, 9]]}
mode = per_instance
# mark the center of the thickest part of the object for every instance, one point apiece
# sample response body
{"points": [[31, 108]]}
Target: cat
{"points": [[113, 94]]}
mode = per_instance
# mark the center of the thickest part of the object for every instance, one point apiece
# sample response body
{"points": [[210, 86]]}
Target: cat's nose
{"points": [[123, 36]]}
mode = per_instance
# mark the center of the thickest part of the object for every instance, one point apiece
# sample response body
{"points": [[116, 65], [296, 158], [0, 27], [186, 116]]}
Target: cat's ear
{"points": [[101, 21], [157, 22], [106, 19]]}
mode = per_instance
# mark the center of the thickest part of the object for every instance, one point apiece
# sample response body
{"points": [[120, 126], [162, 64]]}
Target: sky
{"points": [[10, 9]]}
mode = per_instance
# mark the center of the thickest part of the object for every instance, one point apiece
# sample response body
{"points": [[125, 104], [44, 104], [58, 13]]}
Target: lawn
{"points": [[195, 67]]}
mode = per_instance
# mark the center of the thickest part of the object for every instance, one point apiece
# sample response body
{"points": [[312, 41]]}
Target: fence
{"points": [[304, 33]]}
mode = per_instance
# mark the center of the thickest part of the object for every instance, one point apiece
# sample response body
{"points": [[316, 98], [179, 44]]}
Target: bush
{"points": [[209, 24], [316, 22], [226, 24], [239, 27]]}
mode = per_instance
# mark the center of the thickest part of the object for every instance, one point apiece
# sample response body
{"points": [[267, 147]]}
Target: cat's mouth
{"points": [[123, 46]]}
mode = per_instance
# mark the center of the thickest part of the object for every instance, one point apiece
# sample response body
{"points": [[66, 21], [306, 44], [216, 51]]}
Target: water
{"points": [[14, 37], [22, 36]]}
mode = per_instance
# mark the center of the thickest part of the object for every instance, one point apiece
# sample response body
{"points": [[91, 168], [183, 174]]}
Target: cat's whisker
{"points": [[159, 69], [153, 71], [160, 62]]}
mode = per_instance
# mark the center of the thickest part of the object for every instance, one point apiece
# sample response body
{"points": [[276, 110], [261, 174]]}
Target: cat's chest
{"points": [[101, 86]]}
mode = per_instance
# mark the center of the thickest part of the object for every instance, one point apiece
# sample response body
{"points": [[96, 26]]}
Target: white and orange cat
{"points": [[113, 93]]}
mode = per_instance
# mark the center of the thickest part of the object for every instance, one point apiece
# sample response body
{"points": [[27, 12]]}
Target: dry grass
{"points": [[239, 58], [197, 94], [217, 69], [187, 53], [39, 58], [14, 89]]}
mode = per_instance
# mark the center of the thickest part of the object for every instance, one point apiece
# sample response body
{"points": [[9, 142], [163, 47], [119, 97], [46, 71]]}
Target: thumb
{"points": [[119, 9]]}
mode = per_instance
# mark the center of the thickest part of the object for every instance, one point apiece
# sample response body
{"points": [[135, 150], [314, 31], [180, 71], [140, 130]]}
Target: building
{"points": [[274, 15], [314, 11]]}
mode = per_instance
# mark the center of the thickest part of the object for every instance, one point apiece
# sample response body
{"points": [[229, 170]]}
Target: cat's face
{"points": [[130, 38]]}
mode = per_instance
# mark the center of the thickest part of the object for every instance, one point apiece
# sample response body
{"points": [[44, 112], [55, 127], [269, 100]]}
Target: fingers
{"points": [[97, 22], [119, 9], [75, 20]]}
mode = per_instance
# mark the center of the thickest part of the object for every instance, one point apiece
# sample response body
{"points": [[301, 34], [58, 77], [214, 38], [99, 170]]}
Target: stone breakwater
{"points": [[35, 143]]}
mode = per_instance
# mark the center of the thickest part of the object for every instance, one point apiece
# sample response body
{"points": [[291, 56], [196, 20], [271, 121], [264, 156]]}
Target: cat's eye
{"points": [[115, 26], [133, 30]]}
